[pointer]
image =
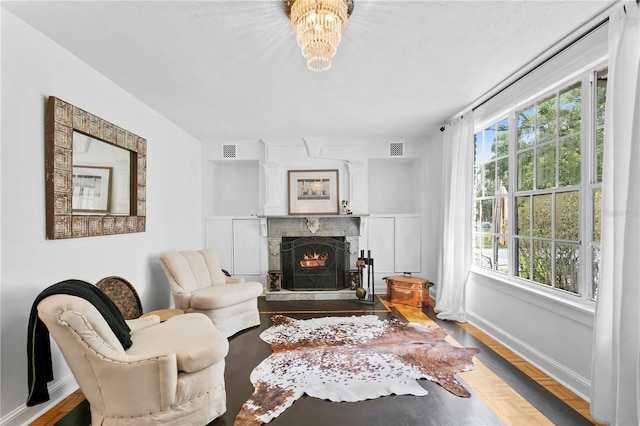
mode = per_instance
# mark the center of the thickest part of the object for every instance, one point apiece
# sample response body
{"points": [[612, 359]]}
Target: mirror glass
{"points": [[101, 183], [95, 175]]}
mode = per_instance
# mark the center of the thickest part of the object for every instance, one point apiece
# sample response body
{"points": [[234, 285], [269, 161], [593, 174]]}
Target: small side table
{"points": [[164, 314]]}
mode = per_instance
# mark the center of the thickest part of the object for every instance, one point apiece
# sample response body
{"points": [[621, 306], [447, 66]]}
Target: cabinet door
{"points": [[246, 247], [219, 237], [408, 244], [381, 243]]}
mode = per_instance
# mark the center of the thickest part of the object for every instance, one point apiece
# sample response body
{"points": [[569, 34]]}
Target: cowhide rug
{"points": [[350, 359]]}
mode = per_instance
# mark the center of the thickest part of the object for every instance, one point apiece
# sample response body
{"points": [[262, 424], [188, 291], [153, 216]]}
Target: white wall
{"points": [[550, 333], [33, 68], [432, 208]]}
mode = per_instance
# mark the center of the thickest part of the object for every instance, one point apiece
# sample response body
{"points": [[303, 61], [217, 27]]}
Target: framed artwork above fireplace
{"points": [[313, 192]]}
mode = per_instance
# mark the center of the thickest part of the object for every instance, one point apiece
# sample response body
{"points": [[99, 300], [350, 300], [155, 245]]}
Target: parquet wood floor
{"points": [[514, 391]]}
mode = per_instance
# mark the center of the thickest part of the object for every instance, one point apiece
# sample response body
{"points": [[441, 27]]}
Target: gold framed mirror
{"points": [[95, 175]]}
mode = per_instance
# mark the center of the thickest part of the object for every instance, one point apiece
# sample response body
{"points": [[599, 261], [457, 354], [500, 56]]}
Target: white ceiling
{"points": [[232, 70]]}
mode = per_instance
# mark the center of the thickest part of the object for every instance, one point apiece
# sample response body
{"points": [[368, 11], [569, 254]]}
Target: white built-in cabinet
{"points": [[395, 242], [388, 193], [238, 243]]}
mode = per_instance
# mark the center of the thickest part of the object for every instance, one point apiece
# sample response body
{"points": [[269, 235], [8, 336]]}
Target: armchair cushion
{"points": [[221, 296], [196, 344], [194, 269], [143, 322]]}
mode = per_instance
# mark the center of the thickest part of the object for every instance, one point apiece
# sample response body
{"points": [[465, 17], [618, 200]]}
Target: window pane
{"points": [[542, 216], [477, 181], [567, 266], [601, 95], [483, 258], [525, 171], [503, 176], [546, 167], [595, 270], [597, 214], [502, 258], [476, 249], [547, 120], [502, 218], [523, 216], [568, 215], [489, 143], [490, 178], [542, 262], [570, 110], [599, 152], [487, 252], [569, 164], [526, 127], [523, 253], [502, 138], [487, 215], [477, 218]]}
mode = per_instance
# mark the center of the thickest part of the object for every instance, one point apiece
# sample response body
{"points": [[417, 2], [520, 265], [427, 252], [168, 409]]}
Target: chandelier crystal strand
{"points": [[318, 25]]}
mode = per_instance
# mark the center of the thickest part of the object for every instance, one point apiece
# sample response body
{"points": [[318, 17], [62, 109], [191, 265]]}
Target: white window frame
{"points": [[586, 75]]}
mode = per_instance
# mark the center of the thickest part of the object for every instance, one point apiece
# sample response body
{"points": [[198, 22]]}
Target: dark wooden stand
{"points": [[362, 263]]}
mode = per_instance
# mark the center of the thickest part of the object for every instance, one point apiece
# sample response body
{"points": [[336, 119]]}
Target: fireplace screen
{"points": [[314, 263]]}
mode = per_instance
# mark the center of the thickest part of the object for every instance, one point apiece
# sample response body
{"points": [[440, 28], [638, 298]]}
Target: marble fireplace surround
{"points": [[348, 226]]}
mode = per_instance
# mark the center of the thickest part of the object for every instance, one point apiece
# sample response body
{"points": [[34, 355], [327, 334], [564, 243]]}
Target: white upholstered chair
{"points": [[173, 373], [198, 284]]}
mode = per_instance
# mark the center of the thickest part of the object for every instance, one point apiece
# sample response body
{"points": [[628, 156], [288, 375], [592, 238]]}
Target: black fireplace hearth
{"points": [[314, 263]]}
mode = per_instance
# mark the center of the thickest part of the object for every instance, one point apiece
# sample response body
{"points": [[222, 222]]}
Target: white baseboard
{"points": [[566, 377], [58, 390]]}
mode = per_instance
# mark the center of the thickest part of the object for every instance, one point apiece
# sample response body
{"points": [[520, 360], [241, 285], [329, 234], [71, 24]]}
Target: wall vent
{"points": [[396, 149], [229, 151]]}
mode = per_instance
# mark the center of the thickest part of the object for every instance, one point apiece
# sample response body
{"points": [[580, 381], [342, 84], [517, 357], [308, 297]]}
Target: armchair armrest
{"points": [[124, 381], [229, 279], [143, 322]]}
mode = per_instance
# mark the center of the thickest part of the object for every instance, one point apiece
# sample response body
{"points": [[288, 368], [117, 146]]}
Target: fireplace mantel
{"points": [[320, 225]]}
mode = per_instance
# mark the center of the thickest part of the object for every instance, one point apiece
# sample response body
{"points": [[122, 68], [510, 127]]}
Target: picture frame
{"points": [[91, 189], [313, 192]]}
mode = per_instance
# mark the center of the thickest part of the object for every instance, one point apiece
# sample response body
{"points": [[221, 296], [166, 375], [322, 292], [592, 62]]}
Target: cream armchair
{"points": [[199, 285], [173, 373]]}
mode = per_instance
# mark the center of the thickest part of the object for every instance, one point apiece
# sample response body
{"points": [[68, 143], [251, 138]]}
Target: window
{"points": [[545, 159], [491, 187]]}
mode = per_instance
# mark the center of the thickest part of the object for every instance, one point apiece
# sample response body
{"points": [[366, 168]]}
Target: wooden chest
{"points": [[408, 290]]}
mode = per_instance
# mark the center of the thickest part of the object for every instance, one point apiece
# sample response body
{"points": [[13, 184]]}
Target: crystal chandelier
{"points": [[318, 25]]}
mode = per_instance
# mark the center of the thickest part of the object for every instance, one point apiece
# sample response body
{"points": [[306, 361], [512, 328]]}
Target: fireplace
{"points": [[312, 258], [314, 263]]}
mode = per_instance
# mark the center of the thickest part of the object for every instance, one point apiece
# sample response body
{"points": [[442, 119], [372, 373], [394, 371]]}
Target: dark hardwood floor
{"points": [[501, 392]]}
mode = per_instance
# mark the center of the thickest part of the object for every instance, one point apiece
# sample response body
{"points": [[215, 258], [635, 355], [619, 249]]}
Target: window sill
{"points": [[566, 305]]}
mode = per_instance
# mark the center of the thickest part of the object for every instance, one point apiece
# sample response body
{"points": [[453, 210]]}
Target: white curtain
{"points": [[616, 353], [455, 240]]}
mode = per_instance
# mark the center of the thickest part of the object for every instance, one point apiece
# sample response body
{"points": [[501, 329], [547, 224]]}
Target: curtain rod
{"points": [[555, 54]]}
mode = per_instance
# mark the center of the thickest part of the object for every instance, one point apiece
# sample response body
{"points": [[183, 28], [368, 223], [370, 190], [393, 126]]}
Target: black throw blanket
{"points": [[39, 347]]}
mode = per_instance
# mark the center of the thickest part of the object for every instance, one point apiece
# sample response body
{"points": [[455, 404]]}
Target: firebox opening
{"points": [[314, 263]]}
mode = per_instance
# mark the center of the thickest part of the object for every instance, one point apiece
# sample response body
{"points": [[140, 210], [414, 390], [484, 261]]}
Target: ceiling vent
{"points": [[396, 149], [229, 151]]}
